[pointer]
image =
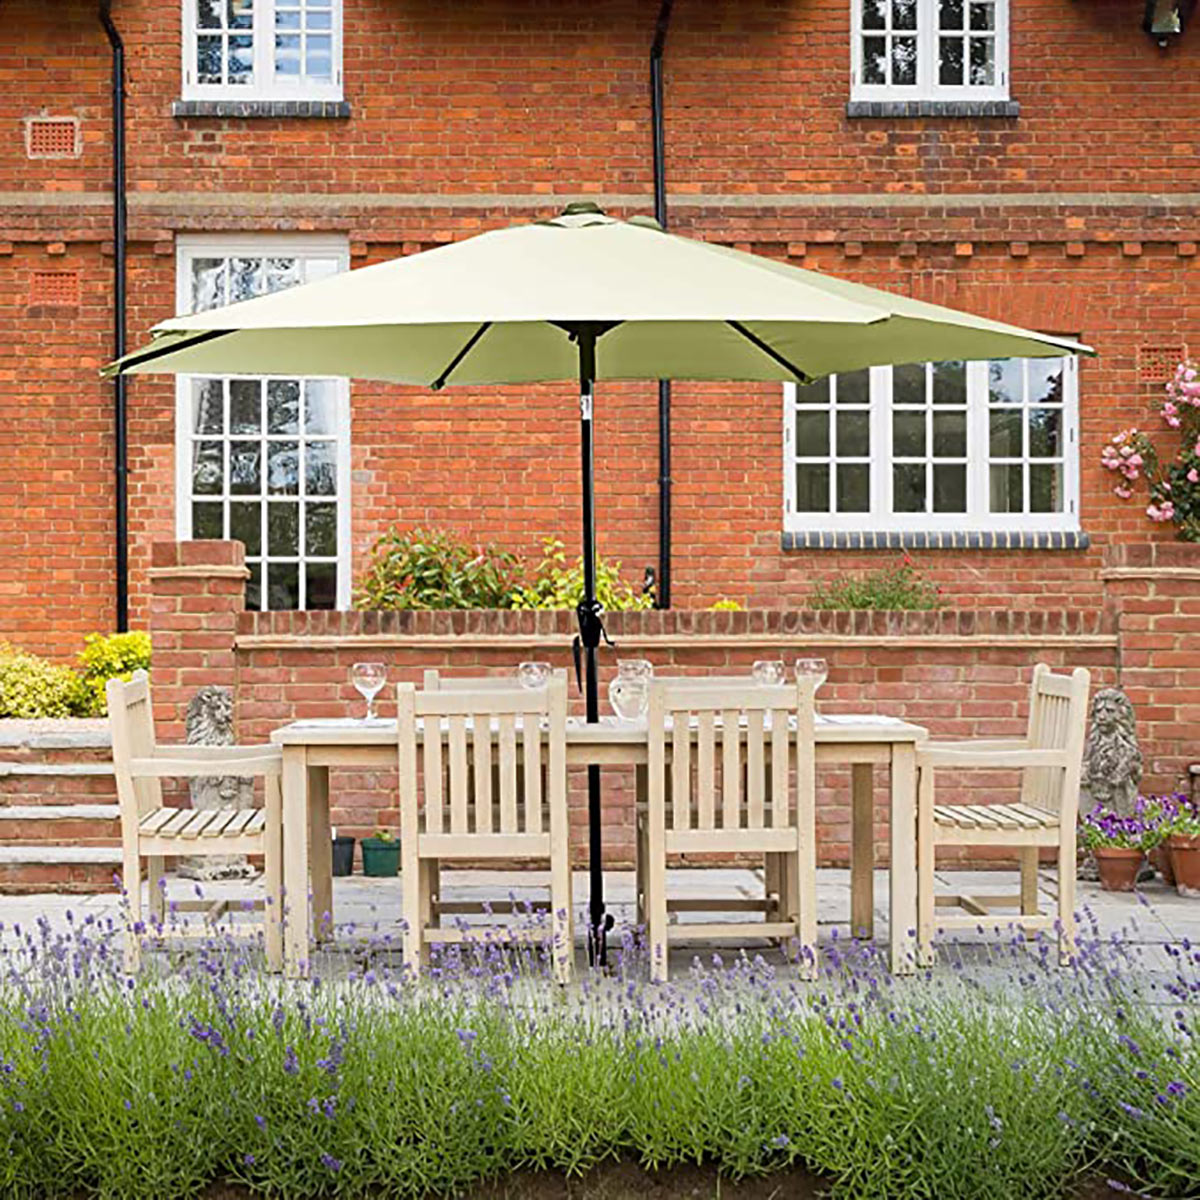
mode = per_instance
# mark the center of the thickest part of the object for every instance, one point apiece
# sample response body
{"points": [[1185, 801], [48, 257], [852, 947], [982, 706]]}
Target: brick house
{"points": [[1031, 159]]}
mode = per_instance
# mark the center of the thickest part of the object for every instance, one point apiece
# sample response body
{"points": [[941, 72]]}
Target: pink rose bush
{"points": [[1173, 484]]}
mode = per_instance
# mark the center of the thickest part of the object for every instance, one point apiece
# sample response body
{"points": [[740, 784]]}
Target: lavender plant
{"points": [[995, 1075]]}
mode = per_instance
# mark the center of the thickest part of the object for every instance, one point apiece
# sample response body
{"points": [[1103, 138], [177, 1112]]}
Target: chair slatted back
{"points": [[1057, 721], [131, 720], [738, 774], [490, 754]]}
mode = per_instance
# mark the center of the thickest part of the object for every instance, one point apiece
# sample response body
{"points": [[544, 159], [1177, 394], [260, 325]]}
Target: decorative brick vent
{"points": [[52, 137], [1156, 364], [55, 288]]}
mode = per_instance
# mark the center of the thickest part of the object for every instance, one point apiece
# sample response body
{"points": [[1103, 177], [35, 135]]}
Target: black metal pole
{"points": [[120, 384], [662, 594], [590, 632]]}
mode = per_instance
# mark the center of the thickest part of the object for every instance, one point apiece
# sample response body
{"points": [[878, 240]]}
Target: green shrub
{"points": [[434, 569], [898, 587], [32, 687], [557, 585], [429, 568], [115, 656]]}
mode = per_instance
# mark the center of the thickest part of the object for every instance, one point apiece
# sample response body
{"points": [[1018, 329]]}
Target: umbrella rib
{"points": [[755, 340], [440, 381], [152, 352]]}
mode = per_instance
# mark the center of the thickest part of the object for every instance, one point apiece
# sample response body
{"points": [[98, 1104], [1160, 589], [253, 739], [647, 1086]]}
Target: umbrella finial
{"points": [[578, 208]]}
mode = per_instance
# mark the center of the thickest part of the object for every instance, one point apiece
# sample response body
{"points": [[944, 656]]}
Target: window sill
{"points": [[1024, 539], [932, 108], [328, 110]]}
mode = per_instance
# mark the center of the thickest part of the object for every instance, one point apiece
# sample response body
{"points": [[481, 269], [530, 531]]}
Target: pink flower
{"points": [[1196, 448], [1136, 460], [1123, 492], [1193, 476], [1161, 512]]}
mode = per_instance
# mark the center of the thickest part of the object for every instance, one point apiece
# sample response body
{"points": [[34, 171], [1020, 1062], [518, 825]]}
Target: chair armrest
{"points": [[196, 761], [983, 755]]}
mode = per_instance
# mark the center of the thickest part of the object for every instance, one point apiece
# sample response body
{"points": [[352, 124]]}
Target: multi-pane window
{"points": [[265, 460], [947, 445], [929, 49], [262, 49]]}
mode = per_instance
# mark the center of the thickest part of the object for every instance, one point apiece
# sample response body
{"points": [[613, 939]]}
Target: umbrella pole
{"points": [[591, 630]]}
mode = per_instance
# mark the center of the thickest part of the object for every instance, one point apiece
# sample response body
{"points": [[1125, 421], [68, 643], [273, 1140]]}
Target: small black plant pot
{"points": [[343, 855], [380, 859]]}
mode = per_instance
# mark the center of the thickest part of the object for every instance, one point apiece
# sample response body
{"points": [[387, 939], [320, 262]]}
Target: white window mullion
{"points": [[978, 432]]}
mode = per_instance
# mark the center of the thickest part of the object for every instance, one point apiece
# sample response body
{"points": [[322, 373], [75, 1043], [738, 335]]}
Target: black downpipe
{"points": [[120, 243], [663, 589]]}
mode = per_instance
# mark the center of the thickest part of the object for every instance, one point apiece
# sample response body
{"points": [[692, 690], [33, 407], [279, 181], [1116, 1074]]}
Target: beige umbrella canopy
{"points": [[587, 296], [504, 307]]}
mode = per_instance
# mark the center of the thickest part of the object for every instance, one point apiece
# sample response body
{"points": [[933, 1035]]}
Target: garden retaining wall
{"points": [[960, 673]]}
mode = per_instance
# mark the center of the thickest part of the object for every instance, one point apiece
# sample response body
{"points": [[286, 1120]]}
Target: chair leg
{"points": [[789, 897], [642, 850], [806, 885], [926, 865], [414, 928], [1066, 897], [771, 886], [656, 907], [131, 880], [563, 944], [430, 875], [1029, 884], [157, 872], [273, 874]]}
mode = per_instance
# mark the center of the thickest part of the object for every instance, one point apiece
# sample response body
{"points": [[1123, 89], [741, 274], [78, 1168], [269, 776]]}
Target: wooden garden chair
{"points": [[1050, 760], [746, 786], [506, 800], [153, 831]]}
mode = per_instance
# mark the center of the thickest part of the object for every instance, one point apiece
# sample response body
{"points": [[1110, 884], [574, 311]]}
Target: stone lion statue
{"points": [[1112, 759], [210, 723]]}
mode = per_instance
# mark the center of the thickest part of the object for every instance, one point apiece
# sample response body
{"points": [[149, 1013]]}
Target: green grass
{"points": [[1010, 1079]]}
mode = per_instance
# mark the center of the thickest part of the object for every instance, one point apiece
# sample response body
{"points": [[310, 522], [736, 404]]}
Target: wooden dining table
{"points": [[860, 742]]}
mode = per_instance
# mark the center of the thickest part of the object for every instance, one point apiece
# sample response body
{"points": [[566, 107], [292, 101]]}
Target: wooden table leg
{"points": [[320, 853], [862, 851], [296, 906], [902, 917]]}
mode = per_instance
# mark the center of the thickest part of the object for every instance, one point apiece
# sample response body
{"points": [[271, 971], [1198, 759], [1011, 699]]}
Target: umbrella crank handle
{"points": [[591, 633]]}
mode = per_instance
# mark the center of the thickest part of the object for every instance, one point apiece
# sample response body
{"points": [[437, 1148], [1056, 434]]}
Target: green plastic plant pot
{"points": [[381, 859]]}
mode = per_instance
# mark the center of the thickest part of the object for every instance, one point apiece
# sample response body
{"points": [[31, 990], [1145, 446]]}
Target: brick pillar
{"points": [[1152, 595], [197, 591]]}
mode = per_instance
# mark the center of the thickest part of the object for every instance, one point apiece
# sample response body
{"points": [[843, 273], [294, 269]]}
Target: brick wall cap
{"points": [[51, 733]]}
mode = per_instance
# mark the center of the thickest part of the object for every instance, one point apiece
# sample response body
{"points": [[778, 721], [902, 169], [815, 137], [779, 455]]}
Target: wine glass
{"points": [[533, 674], [816, 669], [369, 678], [769, 671]]}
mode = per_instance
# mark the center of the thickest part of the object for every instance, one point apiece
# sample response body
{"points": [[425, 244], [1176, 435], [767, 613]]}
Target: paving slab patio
{"points": [[369, 910]]}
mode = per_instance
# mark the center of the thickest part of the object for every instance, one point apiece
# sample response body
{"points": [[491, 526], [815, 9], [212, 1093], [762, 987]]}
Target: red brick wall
{"points": [[960, 674], [519, 99]]}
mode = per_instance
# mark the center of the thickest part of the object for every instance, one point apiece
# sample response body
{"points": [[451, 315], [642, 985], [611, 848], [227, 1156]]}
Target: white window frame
{"points": [[927, 86], [191, 246], [267, 85], [977, 518]]}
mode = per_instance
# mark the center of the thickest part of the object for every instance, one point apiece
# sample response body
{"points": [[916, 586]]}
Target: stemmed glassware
{"points": [[769, 671], [369, 678], [816, 669], [533, 674]]}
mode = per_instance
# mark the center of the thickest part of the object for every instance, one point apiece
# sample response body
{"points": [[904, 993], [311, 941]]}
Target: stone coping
{"points": [[60, 733], [682, 624]]}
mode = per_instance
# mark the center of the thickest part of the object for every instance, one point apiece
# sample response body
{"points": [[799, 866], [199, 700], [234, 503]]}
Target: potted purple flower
{"points": [[1119, 844], [1181, 830]]}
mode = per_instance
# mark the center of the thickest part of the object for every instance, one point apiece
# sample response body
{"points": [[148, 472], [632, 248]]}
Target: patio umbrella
{"points": [[581, 295]]}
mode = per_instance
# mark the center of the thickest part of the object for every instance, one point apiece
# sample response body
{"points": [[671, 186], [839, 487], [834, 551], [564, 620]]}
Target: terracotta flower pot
{"points": [[1185, 859], [1118, 867], [1160, 859]]}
